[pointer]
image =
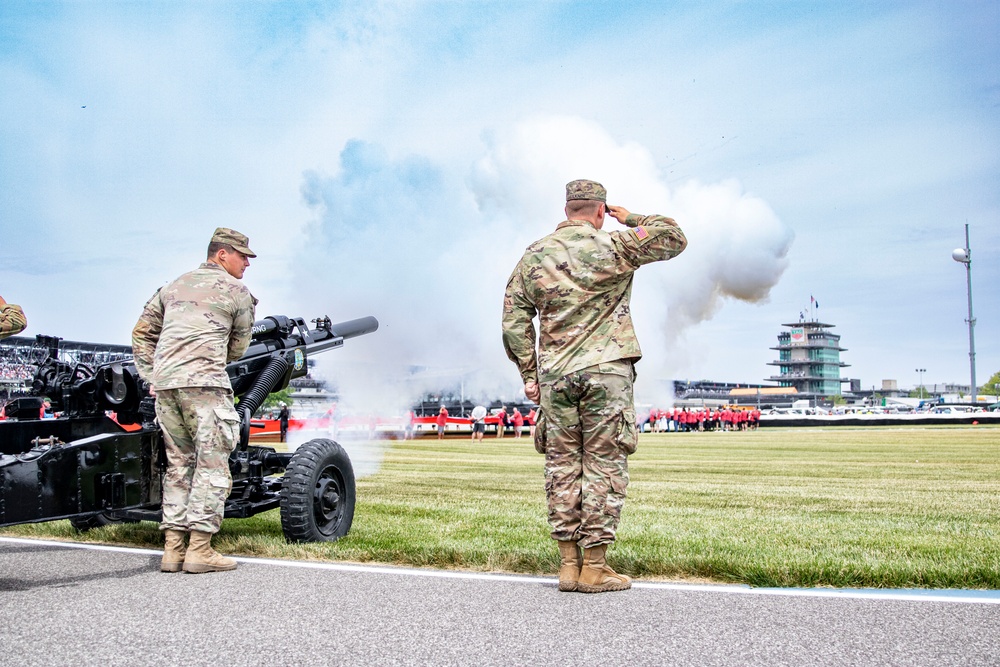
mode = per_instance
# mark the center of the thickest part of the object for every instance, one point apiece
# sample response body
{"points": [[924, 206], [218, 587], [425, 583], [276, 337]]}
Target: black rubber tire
{"points": [[318, 493], [85, 523]]}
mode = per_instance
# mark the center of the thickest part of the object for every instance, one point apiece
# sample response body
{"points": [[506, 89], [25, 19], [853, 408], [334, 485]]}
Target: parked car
{"points": [[950, 410]]}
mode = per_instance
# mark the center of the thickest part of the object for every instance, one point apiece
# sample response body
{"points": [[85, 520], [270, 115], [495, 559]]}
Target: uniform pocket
{"points": [[229, 426], [541, 426], [628, 435], [619, 483], [220, 481]]}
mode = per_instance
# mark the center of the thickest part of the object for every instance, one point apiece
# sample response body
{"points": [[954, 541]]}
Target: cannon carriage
{"points": [[102, 459]]}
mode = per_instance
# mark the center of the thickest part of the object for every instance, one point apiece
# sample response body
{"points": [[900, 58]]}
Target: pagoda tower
{"points": [[809, 359]]}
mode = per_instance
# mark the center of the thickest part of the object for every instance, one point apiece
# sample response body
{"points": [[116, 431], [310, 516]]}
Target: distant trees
{"points": [[283, 396], [991, 385]]}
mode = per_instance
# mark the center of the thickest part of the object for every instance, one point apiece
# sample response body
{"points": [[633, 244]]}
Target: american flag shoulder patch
{"points": [[640, 232]]}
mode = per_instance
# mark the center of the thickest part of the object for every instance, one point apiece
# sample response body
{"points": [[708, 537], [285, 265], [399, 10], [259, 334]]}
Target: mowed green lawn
{"points": [[845, 507]]}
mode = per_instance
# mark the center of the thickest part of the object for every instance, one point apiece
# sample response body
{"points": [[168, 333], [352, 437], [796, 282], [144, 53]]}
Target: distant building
{"points": [[809, 360]]}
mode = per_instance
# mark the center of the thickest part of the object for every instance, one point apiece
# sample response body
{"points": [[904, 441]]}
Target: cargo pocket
{"points": [[628, 436], [619, 483], [222, 484], [229, 427], [220, 481], [541, 426]]}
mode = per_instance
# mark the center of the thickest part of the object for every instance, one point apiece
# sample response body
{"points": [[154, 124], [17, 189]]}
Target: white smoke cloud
{"points": [[737, 248], [401, 239], [428, 252]]}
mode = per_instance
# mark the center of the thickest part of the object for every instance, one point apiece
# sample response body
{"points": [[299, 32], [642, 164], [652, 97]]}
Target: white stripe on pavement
{"points": [[912, 595]]}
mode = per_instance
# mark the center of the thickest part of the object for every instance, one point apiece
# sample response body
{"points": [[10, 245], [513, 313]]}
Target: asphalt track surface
{"points": [[72, 604]]}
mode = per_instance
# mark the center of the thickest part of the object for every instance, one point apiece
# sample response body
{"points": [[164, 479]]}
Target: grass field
{"points": [[775, 507]]}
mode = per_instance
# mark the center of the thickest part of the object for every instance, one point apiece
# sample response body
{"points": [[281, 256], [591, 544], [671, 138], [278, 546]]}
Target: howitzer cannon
{"points": [[102, 460]]}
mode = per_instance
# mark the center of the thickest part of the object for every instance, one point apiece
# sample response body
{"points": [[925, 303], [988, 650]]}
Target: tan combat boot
{"points": [[201, 557], [596, 576], [569, 567], [173, 550]]}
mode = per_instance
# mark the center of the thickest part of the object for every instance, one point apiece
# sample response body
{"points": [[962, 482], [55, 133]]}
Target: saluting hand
{"points": [[619, 213]]}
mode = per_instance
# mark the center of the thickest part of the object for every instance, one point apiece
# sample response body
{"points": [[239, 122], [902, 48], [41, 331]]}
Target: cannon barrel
{"points": [[354, 328]]}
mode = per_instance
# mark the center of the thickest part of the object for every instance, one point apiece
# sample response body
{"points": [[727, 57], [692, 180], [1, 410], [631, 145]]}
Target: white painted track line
{"points": [[914, 595]]}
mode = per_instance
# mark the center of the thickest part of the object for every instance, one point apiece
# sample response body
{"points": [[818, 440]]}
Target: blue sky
{"points": [[395, 158]]}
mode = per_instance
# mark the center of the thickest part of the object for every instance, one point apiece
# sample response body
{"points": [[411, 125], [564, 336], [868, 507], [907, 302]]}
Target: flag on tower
{"points": [[815, 303]]}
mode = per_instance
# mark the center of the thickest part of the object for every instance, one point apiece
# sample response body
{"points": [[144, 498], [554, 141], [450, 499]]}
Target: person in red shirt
{"points": [[442, 420], [501, 421], [518, 420]]}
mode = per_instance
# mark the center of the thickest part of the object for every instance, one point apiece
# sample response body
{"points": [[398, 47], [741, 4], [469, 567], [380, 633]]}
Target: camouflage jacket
{"points": [[12, 320], [191, 328], [578, 280]]}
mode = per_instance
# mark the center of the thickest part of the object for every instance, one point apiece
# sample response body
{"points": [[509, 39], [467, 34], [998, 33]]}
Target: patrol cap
{"points": [[584, 189], [233, 238]]}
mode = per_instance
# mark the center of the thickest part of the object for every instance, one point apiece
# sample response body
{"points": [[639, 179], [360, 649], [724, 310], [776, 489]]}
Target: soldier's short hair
{"points": [[215, 247], [585, 206]]}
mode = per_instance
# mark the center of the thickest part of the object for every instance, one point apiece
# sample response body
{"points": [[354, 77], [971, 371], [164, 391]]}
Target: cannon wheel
{"points": [[99, 520], [317, 495]]}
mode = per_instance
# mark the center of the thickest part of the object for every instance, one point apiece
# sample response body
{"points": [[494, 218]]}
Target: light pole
{"points": [[964, 256], [920, 374]]}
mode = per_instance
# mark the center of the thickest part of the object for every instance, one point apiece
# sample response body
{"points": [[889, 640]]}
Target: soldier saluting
{"points": [[578, 281], [189, 330]]}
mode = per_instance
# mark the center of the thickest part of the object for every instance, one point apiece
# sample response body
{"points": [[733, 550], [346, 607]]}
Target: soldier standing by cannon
{"points": [[189, 330]]}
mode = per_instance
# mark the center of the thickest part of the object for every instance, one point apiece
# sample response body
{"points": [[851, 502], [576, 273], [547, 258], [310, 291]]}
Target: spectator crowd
{"points": [[704, 419], [16, 372]]}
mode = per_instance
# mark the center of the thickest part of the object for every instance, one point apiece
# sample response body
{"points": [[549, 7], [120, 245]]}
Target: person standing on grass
{"points": [[478, 423], [578, 282], [518, 420], [442, 421], [283, 422], [501, 421]]}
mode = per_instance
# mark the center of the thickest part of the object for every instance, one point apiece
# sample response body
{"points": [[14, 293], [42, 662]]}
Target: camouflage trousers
{"points": [[587, 430], [200, 428]]}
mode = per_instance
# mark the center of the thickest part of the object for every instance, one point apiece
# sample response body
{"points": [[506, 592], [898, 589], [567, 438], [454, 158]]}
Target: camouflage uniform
{"points": [[578, 280], [12, 320], [189, 330], [200, 427]]}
